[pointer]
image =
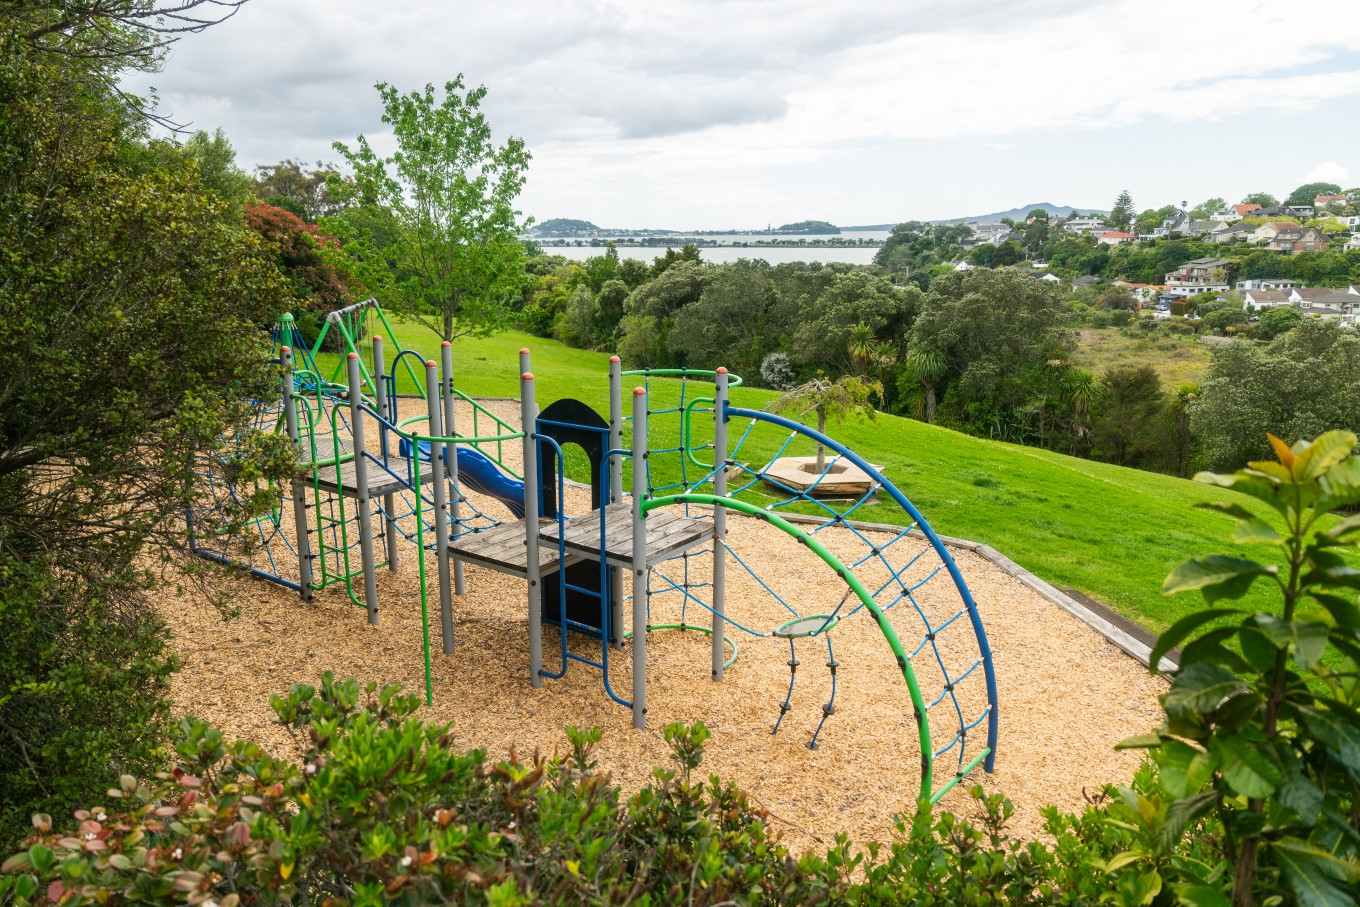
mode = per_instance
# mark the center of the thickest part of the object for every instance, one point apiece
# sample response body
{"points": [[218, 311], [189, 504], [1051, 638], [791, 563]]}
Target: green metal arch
{"points": [[856, 586]]}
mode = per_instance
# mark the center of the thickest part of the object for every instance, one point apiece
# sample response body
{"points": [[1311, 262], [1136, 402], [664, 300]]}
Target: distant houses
{"points": [[1203, 275]]}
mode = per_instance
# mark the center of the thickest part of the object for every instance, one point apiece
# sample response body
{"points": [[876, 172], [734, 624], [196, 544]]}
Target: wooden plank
{"points": [[667, 533], [504, 548], [381, 480]]}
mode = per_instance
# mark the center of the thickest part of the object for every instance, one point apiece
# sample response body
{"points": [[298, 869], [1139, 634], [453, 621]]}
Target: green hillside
{"points": [[1109, 531]]}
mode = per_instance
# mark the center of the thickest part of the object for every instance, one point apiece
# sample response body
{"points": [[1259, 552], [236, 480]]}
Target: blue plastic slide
{"points": [[481, 474]]}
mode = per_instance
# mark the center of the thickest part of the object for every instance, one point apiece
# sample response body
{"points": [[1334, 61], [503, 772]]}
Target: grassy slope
{"points": [[1111, 532], [1178, 360]]}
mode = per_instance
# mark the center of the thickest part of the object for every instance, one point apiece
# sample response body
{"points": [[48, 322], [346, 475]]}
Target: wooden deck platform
{"points": [[380, 481], [503, 548]]}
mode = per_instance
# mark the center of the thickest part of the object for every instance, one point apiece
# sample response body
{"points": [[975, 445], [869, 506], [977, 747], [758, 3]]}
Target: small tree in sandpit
{"points": [[837, 400]]}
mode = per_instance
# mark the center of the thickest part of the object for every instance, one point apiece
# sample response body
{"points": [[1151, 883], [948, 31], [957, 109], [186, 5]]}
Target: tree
{"points": [[862, 348], [1304, 383], [927, 366], [1126, 429], [216, 161], [289, 185], [1121, 215], [1208, 208], [992, 327], [432, 228], [1264, 199], [1279, 319], [319, 283], [726, 324], [827, 324], [645, 329], [835, 400], [133, 298], [1305, 194]]}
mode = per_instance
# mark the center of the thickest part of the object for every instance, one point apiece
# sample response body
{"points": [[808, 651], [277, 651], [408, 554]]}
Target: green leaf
{"points": [[1202, 896], [1179, 815], [1326, 451], [1310, 641], [1217, 576], [1341, 738], [1344, 527], [1254, 530], [1141, 742], [1297, 792], [1255, 486], [1184, 769], [1317, 878], [1259, 648], [1200, 689], [1342, 609], [1246, 768], [1340, 486], [1209, 649], [1182, 628]]}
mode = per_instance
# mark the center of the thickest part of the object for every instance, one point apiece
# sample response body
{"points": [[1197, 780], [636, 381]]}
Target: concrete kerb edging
{"points": [[1132, 646]]}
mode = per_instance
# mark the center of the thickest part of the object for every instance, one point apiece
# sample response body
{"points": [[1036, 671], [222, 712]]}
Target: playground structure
{"points": [[652, 554]]}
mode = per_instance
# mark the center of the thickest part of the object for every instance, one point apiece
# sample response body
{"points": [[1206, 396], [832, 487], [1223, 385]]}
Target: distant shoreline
{"points": [[670, 241]]}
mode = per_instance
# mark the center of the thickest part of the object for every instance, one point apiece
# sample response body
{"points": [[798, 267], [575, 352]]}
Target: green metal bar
{"points": [[986, 751], [862, 593], [735, 380], [424, 590]]}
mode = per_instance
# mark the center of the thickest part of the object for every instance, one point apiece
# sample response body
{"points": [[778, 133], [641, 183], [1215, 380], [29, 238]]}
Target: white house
{"points": [[1265, 299], [1353, 243], [1266, 283], [1115, 237], [1203, 275], [1082, 225]]}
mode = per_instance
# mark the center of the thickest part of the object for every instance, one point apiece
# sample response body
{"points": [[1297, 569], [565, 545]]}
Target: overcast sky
{"points": [[710, 114]]}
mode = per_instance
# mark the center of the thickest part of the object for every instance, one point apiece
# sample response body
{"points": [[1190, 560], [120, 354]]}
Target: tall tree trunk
{"points": [[930, 401]]}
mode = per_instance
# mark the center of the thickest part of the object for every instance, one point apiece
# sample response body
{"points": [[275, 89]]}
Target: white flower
{"points": [[100, 816], [177, 854], [311, 768], [89, 836], [405, 861]]}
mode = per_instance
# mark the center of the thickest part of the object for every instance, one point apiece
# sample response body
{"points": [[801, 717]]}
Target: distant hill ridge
{"points": [[1020, 212]]}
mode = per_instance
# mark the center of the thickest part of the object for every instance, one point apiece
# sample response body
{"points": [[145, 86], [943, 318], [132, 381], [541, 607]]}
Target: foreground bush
{"points": [[382, 809]]}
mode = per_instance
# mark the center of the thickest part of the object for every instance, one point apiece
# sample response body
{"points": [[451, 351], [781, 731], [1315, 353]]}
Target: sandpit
{"points": [[1066, 695]]}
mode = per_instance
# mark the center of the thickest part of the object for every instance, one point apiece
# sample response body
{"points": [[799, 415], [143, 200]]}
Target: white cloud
{"points": [[1327, 172], [699, 110]]}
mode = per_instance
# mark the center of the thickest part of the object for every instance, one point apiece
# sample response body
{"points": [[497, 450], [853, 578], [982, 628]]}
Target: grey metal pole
{"points": [[523, 360], [356, 396], [719, 519], [380, 388], [528, 408], [451, 431], [639, 558], [616, 488], [298, 489], [441, 515]]}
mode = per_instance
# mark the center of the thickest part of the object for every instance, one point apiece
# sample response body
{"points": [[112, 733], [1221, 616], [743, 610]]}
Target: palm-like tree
{"points": [[1080, 389], [928, 366], [861, 348]]}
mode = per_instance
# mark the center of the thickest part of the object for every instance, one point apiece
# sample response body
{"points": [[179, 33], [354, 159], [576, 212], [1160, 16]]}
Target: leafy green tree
{"points": [[1208, 207], [1302, 384], [992, 327], [1305, 194], [1126, 427], [726, 324], [432, 228], [1278, 320], [835, 400], [826, 324], [216, 161], [133, 299], [862, 348], [689, 252], [1121, 214], [1262, 727], [291, 186], [645, 330], [1264, 199]]}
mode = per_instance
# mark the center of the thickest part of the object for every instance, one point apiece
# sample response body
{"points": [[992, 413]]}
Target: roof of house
{"points": [[1116, 234], [1267, 295], [1327, 199], [1085, 280], [1312, 294], [1244, 210], [1281, 225], [1324, 311], [1333, 298], [1208, 262]]}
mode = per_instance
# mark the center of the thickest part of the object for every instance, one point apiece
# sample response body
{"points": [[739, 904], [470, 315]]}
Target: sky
{"points": [[715, 114]]}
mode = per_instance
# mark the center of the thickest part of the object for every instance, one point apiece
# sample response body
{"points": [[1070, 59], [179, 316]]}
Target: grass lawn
{"points": [[1111, 532], [1178, 360]]}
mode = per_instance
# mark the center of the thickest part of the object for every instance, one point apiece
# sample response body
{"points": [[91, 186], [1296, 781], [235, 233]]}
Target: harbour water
{"points": [[725, 247]]}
